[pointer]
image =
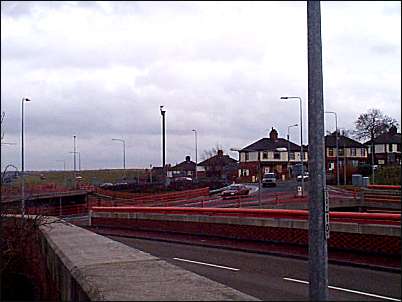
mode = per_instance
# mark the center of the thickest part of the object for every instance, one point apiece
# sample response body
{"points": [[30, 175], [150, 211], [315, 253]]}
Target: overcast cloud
{"points": [[100, 70]]}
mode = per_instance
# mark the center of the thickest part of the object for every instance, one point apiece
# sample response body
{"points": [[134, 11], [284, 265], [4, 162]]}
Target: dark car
{"points": [[235, 190]]}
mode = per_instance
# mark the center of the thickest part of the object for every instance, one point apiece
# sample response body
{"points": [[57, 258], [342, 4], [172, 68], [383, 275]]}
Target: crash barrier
{"points": [[384, 187], [13, 191], [134, 199], [359, 232]]}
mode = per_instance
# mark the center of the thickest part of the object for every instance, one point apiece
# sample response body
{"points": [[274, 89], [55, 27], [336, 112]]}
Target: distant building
{"points": [[185, 168], [271, 154], [351, 155], [218, 166], [387, 148]]}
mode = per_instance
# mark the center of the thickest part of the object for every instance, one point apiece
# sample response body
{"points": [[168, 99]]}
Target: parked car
{"points": [[269, 179], [305, 177], [106, 185], [182, 179], [235, 190]]}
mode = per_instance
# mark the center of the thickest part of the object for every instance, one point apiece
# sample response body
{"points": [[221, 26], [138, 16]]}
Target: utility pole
{"points": [[318, 203], [163, 112], [196, 160]]}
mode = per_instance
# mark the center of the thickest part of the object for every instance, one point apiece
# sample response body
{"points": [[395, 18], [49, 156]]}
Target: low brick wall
{"points": [[379, 239]]}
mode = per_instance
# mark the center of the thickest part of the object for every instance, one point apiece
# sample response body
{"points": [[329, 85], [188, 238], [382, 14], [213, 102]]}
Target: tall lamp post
{"points": [[163, 112], [288, 137], [301, 137], [22, 158], [196, 160], [337, 147], [124, 153]]}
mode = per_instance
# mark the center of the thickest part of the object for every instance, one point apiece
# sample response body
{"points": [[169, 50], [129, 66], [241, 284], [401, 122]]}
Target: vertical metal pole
{"points": [[75, 165], [288, 137], [337, 151], [259, 179], [344, 163], [22, 163], [318, 254], [301, 146], [124, 158], [79, 161], [372, 160], [196, 159]]}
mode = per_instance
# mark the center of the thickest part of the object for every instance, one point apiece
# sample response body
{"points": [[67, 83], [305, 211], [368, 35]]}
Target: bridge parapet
{"points": [[87, 266]]}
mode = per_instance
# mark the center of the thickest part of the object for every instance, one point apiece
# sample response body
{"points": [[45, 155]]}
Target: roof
{"points": [[184, 166], [218, 160], [268, 144], [343, 141], [386, 138]]}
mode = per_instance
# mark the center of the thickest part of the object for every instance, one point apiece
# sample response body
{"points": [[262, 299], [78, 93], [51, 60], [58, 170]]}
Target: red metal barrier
{"points": [[367, 218], [384, 187]]}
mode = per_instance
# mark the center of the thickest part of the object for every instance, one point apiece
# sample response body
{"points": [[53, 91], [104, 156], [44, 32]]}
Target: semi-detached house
{"points": [[269, 154]]}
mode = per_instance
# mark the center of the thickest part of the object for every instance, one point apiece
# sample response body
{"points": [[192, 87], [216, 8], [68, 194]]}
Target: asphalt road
{"points": [[269, 277]]}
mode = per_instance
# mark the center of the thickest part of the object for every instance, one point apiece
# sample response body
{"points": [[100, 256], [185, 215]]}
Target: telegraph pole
{"points": [[318, 203]]}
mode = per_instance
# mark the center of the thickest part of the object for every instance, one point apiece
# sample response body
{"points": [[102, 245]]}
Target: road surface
{"points": [[272, 278]]}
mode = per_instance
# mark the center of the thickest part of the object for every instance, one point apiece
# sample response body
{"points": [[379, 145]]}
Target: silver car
{"points": [[269, 179]]}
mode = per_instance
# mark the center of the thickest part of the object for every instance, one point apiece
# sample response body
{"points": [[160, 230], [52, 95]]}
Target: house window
{"points": [[341, 152], [363, 151], [277, 155], [264, 155], [330, 151], [355, 163], [246, 156], [390, 147], [353, 152], [398, 147], [244, 172], [292, 156]]}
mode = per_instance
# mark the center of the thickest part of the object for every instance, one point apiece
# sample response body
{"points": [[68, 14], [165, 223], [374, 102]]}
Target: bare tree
{"points": [[372, 124], [211, 152]]}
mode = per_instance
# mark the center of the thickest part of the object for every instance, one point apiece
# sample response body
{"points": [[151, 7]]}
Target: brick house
{"points": [[218, 166], [185, 168], [271, 154], [387, 148], [351, 155]]}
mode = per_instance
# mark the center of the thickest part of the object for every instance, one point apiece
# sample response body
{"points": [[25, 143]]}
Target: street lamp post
{"points": [[337, 147], [196, 160], [163, 112], [301, 137], [288, 137], [22, 158], [124, 153]]}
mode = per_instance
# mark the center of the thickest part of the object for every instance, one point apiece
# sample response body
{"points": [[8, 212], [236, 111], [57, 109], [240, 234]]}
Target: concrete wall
{"points": [[87, 266]]}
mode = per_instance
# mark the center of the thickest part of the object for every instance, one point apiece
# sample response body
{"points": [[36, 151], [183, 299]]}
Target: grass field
{"points": [[88, 176]]}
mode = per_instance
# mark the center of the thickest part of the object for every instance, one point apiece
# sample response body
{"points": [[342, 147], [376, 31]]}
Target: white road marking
{"points": [[209, 264], [347, 290]]}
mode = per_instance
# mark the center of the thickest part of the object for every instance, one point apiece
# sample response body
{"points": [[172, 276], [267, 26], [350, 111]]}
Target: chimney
{"points": [[187, 158], [273, 134], [220, 152]]}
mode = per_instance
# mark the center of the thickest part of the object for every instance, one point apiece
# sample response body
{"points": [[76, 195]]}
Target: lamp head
{"points": [[284, 97]]}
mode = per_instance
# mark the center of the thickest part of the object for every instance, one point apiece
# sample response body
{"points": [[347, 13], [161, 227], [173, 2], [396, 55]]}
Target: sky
{"points": [[100, 71]]}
